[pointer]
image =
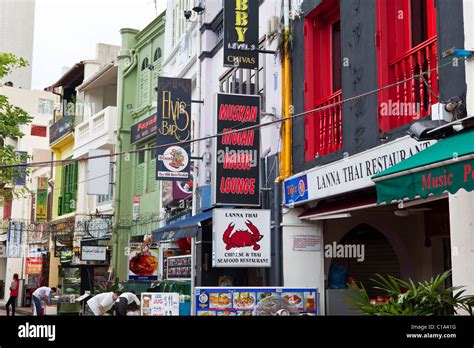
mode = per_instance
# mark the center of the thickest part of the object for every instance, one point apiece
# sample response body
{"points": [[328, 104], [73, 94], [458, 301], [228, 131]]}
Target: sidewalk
{"points": [[18, 310]]}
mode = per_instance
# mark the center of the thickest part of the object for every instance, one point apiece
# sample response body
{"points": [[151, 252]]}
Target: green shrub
{"points": [[407, 298]]}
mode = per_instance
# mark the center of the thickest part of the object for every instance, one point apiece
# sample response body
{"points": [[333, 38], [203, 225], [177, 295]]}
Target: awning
{"points": [[332, 209], [446, 166], [181, 229]]}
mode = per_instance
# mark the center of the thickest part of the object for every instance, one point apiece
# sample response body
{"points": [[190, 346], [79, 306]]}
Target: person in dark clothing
{"points": [[13, 295]]}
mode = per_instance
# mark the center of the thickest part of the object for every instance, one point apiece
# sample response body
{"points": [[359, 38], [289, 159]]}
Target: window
{"points": [[157, 54], [38, 131], [144, 83], [180, 24], [45, 106], [322, 30], [151, 172], [67, 199], [157, 57], [406, 47], [101, 199], [140, 173]]}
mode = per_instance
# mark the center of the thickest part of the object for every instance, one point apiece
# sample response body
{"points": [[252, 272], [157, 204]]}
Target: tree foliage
{"points": [[11, 120]]}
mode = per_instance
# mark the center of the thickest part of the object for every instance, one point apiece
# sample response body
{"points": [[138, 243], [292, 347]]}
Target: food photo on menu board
{"points": [[256, 301], [143, 262]]}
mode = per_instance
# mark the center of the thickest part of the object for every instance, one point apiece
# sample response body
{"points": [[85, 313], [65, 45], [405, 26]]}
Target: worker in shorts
{"points": [[127, 301], [100, 304]]}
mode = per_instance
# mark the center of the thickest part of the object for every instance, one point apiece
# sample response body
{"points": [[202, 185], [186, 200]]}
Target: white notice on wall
{"points": [[306, 243]]}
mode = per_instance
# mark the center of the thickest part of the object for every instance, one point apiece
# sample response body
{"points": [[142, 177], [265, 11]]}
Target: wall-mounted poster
{"points": [[174, 127], [143, 262], [159, 304], [42, 200], [241, 238], [179, 267], [256, 301]]}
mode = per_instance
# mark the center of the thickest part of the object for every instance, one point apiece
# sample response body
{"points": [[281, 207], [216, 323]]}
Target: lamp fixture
{"points": [[199, 7]]}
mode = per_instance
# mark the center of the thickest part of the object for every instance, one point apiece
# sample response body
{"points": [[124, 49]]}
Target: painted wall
{"points": [[358, 29], [302, 268], [136, 45]]}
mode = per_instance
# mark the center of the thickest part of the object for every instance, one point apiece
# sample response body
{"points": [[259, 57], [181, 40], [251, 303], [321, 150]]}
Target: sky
{"points": [[66, 31]]}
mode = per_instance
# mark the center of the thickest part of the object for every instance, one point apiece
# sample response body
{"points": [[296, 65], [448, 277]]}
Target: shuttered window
{"points": [[140, 174], [157, 60], [144, 83], [67, 199]]}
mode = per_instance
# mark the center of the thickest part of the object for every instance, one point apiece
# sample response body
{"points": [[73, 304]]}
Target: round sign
{"points": [[175, 158]]}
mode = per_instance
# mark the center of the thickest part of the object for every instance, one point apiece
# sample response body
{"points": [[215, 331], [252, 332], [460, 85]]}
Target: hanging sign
{"points": [[241, 238], [241, 33], [14, 238], [237, 157], [34, 264], [174, 126], [42, 200], [143, 129]]}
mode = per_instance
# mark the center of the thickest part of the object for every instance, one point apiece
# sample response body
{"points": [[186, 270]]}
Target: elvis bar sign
{"points": [[237, 157], [174, 127], [241, 33]]}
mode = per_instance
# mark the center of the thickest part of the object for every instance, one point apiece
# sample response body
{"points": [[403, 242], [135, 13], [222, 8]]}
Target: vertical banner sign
{"points": [[42, 200], [174, 126], [136, 208], [241, 33], [14, 238], [237, 158], [241, 238]]}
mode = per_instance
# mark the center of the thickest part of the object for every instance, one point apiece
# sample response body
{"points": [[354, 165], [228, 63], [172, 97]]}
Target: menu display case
{"points": [[179, 267], [70, 290]]}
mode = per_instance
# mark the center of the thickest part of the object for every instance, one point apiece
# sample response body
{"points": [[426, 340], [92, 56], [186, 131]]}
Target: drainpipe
{"points": [[197, 131], [285, 155]]}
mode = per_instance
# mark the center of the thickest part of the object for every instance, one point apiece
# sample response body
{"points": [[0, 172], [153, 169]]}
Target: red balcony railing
{"points": [[412, 99], [328, 123]]}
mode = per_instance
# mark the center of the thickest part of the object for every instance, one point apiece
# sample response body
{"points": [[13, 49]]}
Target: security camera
{"points": [[187, 14]]}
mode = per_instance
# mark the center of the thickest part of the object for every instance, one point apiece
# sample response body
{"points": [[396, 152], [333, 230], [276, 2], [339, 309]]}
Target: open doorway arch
{"points": [[379, 257]]}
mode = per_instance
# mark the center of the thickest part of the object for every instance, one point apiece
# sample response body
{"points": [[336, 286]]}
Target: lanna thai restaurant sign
{"points": [[351, 173], [241, 238], [444, 167]]}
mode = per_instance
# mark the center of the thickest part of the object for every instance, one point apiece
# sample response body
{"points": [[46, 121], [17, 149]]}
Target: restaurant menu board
{"points": [[142, 262], [179, 267], [255, 301], [159, 304]]}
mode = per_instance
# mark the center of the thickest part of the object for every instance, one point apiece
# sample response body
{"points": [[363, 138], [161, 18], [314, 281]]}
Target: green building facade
{"points": [[139, 63]]}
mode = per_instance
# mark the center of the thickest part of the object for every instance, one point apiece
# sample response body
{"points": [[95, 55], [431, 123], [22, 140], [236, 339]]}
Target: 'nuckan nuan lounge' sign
{"points": [[237, 157], [241, 33]]}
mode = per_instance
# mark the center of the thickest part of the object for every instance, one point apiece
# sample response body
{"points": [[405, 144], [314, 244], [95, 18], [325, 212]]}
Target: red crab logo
{"points": [[242, 238]]}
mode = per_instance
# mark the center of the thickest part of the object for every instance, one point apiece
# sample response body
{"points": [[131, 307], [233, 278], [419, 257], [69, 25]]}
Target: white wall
{"points": [[302, 268], [17, 22]]}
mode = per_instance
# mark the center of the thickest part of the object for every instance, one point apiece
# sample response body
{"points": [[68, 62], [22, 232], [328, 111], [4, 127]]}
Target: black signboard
{"points": [[143, 129], [60, 128], [174, 126], [237, 157], [241, 33]]}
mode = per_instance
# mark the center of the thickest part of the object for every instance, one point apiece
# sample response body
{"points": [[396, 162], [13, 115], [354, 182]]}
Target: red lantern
{"points": [[184, 244]]}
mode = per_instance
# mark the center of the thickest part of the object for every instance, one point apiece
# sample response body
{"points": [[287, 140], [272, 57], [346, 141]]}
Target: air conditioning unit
{"points": [[272, 25], [439, 113]]}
